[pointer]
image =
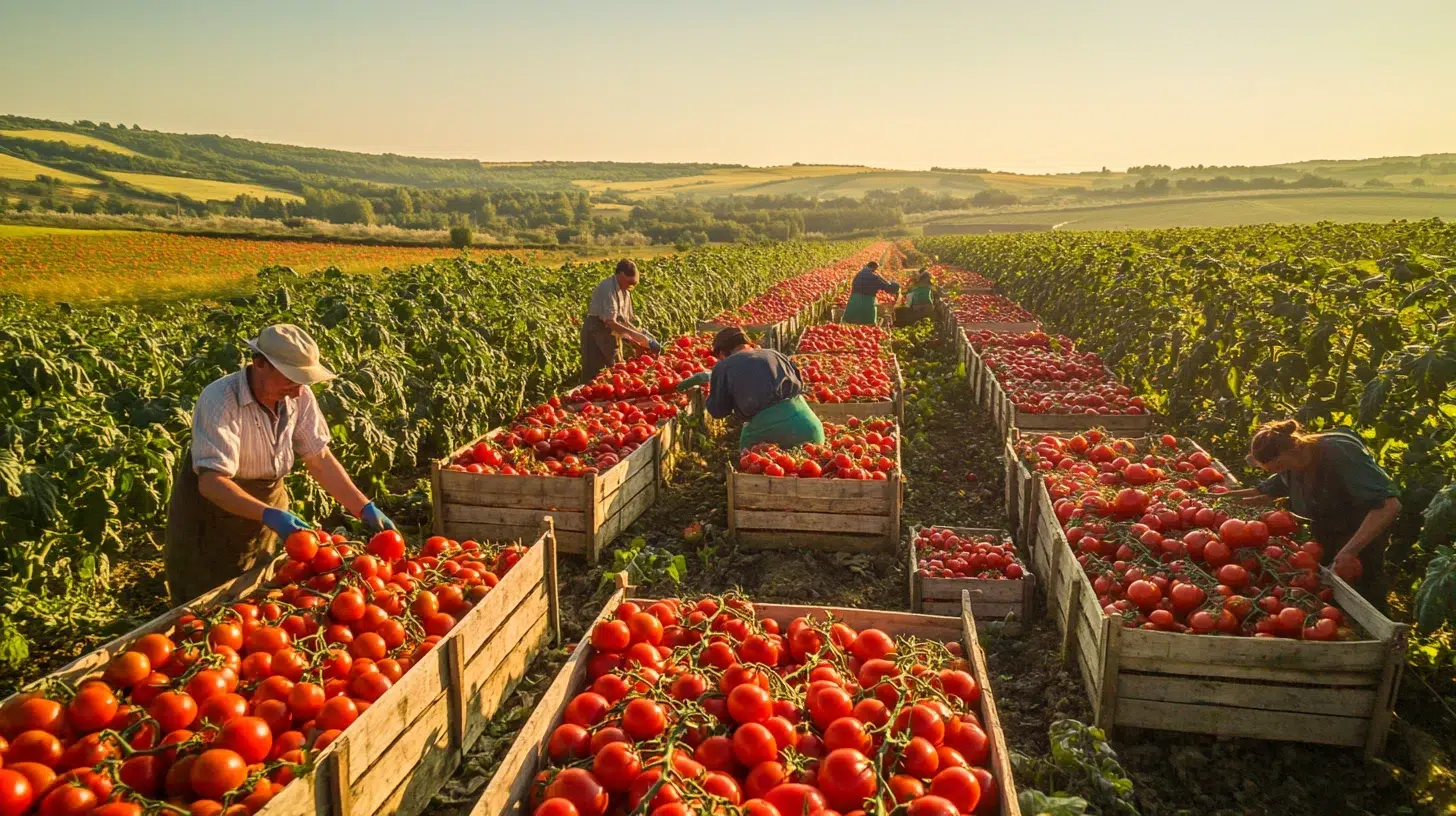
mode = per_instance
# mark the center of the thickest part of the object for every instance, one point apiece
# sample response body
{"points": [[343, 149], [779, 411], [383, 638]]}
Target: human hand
{"points": [[654, 346], [375, 519], [1347, 564], [701, 378], [284, 523]]}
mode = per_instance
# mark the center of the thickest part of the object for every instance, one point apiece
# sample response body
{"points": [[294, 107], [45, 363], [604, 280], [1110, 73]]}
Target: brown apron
{"points": [[599, 347], [206, 545]]}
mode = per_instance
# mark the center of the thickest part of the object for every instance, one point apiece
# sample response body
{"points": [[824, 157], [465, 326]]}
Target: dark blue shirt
{"points": [[868, 282], [751, 380]]}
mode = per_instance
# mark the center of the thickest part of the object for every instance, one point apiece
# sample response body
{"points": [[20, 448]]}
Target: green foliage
{"points": [[95, 404], [461, 237], [640, 564], [1083, 771], [1334, 324], [1435, 601]]}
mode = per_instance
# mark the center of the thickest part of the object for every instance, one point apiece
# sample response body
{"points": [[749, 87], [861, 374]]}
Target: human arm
{"points": [[1250, 495], [719, 403], [326, 469], [1375, 522], [700, 378], [620, 328]]}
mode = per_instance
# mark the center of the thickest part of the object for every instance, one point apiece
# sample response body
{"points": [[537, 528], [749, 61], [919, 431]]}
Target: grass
{"points": [[726, 181], [1221, 211], [201, 189], [129, 266], [76, 139], [17, 169]]}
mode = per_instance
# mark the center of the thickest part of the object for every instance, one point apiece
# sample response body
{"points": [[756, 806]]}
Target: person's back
{"points": [[748, 381]]}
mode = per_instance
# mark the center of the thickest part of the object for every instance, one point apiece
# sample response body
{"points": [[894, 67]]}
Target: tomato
{"points": [[557, 806], [16, 793], [216, 772], [754, 743], [68, 800], [795, 798], [749, 703], [92, 708], [388, 545], [959, 786], [616, 765], [249, 737], [173, 710], [643, 719]]}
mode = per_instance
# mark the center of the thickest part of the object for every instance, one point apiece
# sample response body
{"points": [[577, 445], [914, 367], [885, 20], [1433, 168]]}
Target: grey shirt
{"points": [[609, 300], [751, 380], [236, 436]]}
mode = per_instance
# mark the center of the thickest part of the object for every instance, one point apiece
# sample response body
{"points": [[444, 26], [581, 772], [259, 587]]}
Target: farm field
{"points": [[1226, 211], [201, 189], [18, 169], [68, 137]]}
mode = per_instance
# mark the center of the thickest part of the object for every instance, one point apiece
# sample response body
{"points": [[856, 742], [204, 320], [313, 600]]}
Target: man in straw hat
{"points": [[229, 500]]}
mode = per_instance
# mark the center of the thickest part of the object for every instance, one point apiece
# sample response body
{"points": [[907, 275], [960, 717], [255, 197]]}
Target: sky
{"points": [[1017, 85]]}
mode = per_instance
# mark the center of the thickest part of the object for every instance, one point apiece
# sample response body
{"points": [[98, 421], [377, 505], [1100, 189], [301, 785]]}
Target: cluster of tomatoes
{"points": [[955, 278], [1051, 378], [702, 707], [219, 714], [944, 553], [969, 309], [647, 375], [843, 337], [845, 377], [860, 450], [1164, 552], [983, 339], [787, 298]]}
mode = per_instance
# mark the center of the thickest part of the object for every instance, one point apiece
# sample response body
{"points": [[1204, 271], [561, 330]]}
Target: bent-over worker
{"points": [[1333, 480], [861, 309], [229, 504], [919, 293], [608, 317], [763, 388]]}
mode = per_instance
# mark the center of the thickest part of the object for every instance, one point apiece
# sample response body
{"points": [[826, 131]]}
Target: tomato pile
{"points": [[219, 714], [844, 337], [1164, 552], [862, 450], [645, 375], [845, 377], [787, 298], [970, 309], [1044, 375], [699, 707], [942, 553], [954, 278]]}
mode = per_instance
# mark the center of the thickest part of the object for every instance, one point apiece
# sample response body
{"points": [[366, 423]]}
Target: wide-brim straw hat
{"points": [[293, 353]]}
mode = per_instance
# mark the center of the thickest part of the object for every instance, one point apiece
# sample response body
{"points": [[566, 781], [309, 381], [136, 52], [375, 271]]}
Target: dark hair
{"points": [[1275, 438], [873, 264], [924, 277], [626, 267], [726, 341]]}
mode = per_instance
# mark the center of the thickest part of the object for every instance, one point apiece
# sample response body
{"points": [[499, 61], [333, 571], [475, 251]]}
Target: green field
{"points": [[201, 189], [1221, 211], [75, 139], [17, 169]]}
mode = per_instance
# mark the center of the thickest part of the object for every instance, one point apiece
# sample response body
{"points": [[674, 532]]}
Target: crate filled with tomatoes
{"points": [[842, 496], [849, 371], [1037, 382], [944, 561], [593, 459], [341, 678], [721, 705], [1187, 610], [971, 312]]}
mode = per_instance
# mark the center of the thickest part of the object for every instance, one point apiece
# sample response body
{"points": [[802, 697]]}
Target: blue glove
{"points": [[700, 378], [283, 522], [654, 346], [375, 519]]}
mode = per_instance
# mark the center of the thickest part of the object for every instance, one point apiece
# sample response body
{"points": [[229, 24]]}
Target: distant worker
{"points": [[919, 300], [861, 309], [608, 317], [229, 500], [1333, 480], [763, 388]]}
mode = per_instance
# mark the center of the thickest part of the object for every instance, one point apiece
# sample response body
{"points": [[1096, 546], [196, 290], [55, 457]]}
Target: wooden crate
{"points": [[1009, 602], [398, 753], [1335, 693], [833, 515], [590, 512], [1006, 416], [508, 793], [838, 412]]}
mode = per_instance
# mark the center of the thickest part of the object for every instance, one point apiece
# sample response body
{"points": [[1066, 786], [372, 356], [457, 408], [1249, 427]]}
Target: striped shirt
{"points": [[236, 436], [610, 300]]}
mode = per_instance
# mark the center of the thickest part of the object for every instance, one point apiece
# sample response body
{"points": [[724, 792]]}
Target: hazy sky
{"points": [[1029, 86]]}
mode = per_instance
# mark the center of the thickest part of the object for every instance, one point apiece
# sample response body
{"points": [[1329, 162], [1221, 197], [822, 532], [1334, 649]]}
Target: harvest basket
{"points": [[398, 753], [1335, 693], [1006, 603], [832, 515], [508, 792]]}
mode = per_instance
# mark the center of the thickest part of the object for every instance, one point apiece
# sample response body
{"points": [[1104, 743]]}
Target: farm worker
{"points": [[1332, 479], [867, 283], [920, 293], [762, 387], [229, 499], [608, 317]]}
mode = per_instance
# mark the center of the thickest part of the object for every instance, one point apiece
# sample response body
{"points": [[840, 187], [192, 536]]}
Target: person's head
{"points": [[285, 359], [1280, 445], [626, 273], [729, 340], [924, 277], [873, 264]]}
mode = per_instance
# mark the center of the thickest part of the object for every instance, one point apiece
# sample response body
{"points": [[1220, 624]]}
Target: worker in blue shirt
{"points": [[867, 283], [763, 388]]}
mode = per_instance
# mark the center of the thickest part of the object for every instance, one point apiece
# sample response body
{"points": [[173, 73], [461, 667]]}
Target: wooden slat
{"points": [[486, 697], [1233, 722], [838, 412], [752, 486], [622, 507], [825, 542], [637, 462], [492, 489], [813, 522], [983, 590], [1360, 610], [457, 514], [393, 714], [1000, 758], [525, 579], [1203, 668], [1276, 653], [1335, 701], [419, 750]]}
